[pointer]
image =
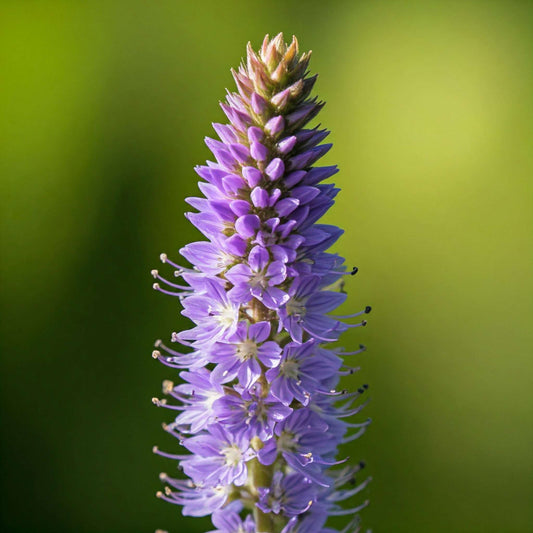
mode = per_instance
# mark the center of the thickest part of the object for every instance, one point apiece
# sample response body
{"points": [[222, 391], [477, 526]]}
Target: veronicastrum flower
{"points": [[258, 407]]}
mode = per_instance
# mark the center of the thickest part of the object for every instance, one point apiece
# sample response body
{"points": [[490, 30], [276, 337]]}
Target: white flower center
{"points": [[224, 259], [226, 315], [246, 350], [258, 280], [295, 307], [211, 397], [286, 441], [290, 369], [232, 454]]}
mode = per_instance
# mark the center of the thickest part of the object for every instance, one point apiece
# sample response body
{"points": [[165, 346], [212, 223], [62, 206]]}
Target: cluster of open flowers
{"points": [[259, 405]]}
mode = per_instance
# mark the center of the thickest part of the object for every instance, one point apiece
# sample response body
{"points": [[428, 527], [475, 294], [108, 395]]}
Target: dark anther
{"points": [[352, 480], [365, 386], [360, 390], [364, 323], [362, 347], [354, 271], [362, 464], [368, 309]]}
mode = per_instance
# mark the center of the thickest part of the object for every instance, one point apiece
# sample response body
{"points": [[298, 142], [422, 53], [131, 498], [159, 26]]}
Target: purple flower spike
{"points": [[259, 412]]}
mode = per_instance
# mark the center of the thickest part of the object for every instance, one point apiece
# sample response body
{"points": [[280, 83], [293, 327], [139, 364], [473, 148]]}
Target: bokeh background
{"points": [[103, 110]]}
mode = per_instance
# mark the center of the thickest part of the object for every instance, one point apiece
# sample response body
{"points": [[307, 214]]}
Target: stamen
{"points": [[157, 287], [351, 412], [362, 389], [169, 428], [316, 336], [344, 512], [166, 360], [333, 392], [350, 370], [359, 425], [163, 403], [355, 435], [365, 311], [162, 496], [351, 525], [159, 344], [157, 451], [362, 348], [345, 494], [360, 324], [164, 259], [175, 337], [352, 272], [167, 386], [332, 463], [156, 275]]}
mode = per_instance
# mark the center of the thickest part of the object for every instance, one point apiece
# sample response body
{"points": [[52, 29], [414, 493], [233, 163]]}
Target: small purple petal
{"points": [[287, 144], [240, 207], [247, 225], [258, 151], [255, 134], [258, 258], [259, 197], [286, 206], [259, 104], [252, 175], [275, 125], [275, 169]]}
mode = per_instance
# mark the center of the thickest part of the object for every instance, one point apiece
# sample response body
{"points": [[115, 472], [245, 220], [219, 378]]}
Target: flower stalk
{"points": [[259, 408]]}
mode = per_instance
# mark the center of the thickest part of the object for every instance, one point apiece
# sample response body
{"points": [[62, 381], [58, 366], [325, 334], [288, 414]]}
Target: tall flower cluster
{"points": [[259, 408]]}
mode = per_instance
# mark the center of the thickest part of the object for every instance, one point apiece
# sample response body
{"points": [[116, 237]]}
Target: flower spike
{"points": [[260, 413]]}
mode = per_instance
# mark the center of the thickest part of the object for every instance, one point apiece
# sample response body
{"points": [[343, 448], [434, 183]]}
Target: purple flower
{"points": [[251, 414], [227, 520], [244, 353], [218, 457], [259, 412], [303, 441], [215, 316], [289, 494], [198, 395], [258, 279], [305, 312], [293, 378]]}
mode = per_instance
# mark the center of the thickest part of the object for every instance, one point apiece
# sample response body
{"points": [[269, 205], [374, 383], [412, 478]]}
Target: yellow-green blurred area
{"points": [[103, 111]]}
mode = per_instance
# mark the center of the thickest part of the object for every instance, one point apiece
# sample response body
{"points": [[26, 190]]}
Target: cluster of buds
{"points": [[259, 404]]}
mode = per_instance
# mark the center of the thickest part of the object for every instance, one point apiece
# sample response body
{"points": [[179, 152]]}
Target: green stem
{"points": [[261, 476]]}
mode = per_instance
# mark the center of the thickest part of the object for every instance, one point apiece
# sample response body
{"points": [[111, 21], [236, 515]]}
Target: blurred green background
{"points": [[103, 110]]}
